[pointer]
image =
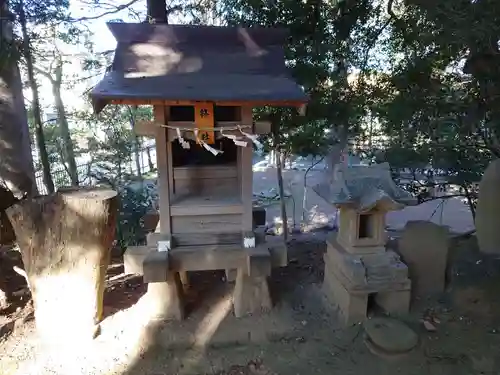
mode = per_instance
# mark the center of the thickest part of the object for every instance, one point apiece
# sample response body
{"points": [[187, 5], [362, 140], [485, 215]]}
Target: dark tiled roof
{"points": [[182, 62], [364, 187]]}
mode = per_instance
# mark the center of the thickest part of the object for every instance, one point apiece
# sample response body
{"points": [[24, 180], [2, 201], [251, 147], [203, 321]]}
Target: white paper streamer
{"points": [[211, 149], [249, 242], [253, 138], [185, 144], [235, 139], [214, 151]]}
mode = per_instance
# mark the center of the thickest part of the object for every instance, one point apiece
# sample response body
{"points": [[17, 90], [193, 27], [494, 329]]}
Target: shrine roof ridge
{"points": [[197, 63]]}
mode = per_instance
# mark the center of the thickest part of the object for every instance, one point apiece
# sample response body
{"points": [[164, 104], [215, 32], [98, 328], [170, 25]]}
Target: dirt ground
{"points": [[300, 336]]}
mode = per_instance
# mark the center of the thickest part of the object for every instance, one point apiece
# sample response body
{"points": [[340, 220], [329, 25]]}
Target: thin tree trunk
{"points": [[281, 191], [40, 138], [137, 143], [304, 197], [150, 159], [138, 151], [65, 241], [157, 11], [62, 118]]}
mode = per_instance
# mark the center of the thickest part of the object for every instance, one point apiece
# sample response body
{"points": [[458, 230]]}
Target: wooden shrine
{"points": [[203, 83]]}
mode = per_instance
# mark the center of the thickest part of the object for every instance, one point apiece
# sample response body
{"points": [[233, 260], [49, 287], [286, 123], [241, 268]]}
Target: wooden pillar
{"points": [[246, 164], [164, 163]]}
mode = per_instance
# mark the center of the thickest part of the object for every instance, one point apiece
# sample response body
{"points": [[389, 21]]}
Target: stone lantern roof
{"points": [[364, 188]]}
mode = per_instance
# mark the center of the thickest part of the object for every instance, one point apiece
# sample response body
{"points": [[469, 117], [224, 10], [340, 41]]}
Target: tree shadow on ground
{"points": [[305, 268]]}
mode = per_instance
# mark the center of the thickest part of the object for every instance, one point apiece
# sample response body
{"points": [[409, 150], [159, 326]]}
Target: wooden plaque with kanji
{"points": [[204, 119]]}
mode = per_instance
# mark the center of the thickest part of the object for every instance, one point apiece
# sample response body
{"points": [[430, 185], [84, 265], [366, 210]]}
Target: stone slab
{"points": [[423, 246], [362, 269], [390, 335], [371, 286]]}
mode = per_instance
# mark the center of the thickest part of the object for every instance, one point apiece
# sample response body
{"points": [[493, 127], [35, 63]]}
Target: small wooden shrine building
{"points": [[203, 83]]}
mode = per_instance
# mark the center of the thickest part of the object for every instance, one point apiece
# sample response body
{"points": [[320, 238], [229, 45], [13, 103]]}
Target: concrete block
{"points": [[394, 303], [251, 294], [278, 250], [184, 277], [166, 298], [258, 262], [155, 267], [231, 274], [351, 307], [134, 257]]}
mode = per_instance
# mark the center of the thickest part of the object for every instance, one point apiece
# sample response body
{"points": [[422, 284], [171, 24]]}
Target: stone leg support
{"points": [[395, 302], [184, 278], [231, 275], [351, 307], [166, 298], [251, 294]]}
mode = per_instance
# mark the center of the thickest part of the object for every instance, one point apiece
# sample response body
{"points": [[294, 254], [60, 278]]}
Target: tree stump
{"points": [[65, 241]]}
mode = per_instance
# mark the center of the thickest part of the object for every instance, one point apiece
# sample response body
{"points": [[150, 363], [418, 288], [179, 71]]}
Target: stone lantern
{"points": [[357, 264]]}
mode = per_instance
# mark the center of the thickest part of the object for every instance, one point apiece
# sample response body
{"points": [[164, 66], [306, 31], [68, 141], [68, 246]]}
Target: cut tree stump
{"points": [[65, 241]]}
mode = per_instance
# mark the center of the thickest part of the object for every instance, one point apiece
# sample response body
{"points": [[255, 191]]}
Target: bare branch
{"points": [[44, 73], [106, 13]]}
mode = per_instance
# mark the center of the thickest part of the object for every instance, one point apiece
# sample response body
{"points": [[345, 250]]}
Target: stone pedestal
{"points": [[251, 294], [166, 298], [351, 278]]}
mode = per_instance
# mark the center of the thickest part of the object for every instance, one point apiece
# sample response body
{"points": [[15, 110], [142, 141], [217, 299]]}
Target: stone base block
{"points": [[351, 307], [231, 275], [134, 257], [251, 294], [395, 302], [184, 277], [166, 298], [155, 267]]}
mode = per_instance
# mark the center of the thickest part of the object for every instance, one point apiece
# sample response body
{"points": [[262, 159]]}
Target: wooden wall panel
{"points": [[205, 186], [207, 224]]}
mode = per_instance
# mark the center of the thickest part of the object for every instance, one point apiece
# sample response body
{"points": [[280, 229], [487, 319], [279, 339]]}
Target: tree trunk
{"points": [[65, 240], [150, 160], [281, 191], [62, 119], [137, 153], [137, 143], [40, 138], [157, 11], [16, 167]]}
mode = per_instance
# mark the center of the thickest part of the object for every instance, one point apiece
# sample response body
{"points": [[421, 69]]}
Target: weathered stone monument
{"points": [[488, 207], [357, 263], [423, 247]]}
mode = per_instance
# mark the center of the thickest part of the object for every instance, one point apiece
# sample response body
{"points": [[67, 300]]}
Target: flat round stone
{"points": [[390, 335]]}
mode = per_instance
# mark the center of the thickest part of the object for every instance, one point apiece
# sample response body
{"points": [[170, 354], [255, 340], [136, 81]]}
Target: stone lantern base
{"points": [[351, 278]]}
